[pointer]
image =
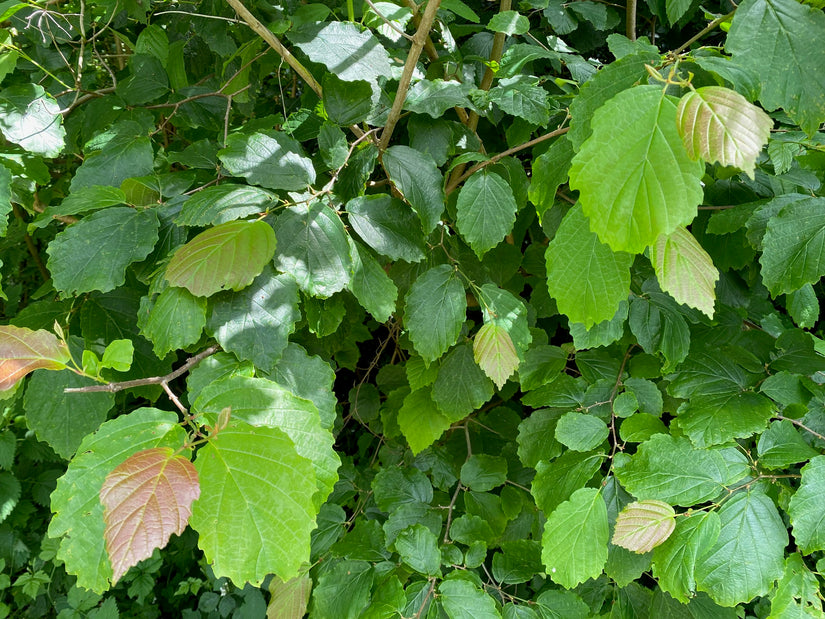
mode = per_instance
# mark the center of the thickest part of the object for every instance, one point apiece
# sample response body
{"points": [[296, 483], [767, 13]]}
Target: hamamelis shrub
{"points": [[398, 309]]}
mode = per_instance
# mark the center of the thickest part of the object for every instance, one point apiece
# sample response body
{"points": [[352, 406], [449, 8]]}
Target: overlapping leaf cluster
{"points": [[419, 310]]}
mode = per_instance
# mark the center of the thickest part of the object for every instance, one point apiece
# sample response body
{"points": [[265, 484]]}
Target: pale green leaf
{"points": [[420, 420], [774, 39], [653, 186], [685, 270], [806, 511], [435, 310], [78, 513], [263, 403], [31, 118], [574, 543], [313, 248], [93, 253], [675, 560], [748, 554], [254, 478], [226, 257], [269, 159], [485, 211], [387, 225], [719, 125], [176, 320], [494, 353], [289, 599], [460, 387], [53, 414], [587, 278], [255, 322], [794, 246], [505, 310], [419, 180], [643, 525]]}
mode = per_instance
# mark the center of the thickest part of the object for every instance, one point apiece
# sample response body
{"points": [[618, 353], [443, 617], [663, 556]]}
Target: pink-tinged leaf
{"points": [[226, 257], [719, 124], [146, 499], [495, 354], [643, 525], [23, 351]]}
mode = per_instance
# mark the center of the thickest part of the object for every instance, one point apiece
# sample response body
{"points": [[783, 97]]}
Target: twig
{"points": [[264, 32], [418, 40], [481, 164], [702, 33], [142, 382], [799, 424], [450, 508], [387, 21], [630, 20], [192, 14]]}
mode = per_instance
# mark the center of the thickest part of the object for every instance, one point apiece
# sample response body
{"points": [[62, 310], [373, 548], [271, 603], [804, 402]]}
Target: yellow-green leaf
{"points": [[643, 525], [685, 270], [495, 354]]}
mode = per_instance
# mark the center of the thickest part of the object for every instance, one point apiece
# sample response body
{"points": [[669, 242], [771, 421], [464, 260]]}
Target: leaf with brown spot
{"points": [[643, 525], [23, 351], [146, 499]]}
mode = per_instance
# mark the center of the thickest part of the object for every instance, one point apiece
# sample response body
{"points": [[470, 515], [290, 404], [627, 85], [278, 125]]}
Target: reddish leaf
{"points": [[23, 351], [146, 499]]}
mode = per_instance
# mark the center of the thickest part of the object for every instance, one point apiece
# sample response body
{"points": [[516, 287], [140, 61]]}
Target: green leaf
{"points": [[434, 97], [175, 321], [772, 38], [344, 49], [643, 525], [118, 355], [714, 419], [503, 309], [461, 599], [550, 171], [670, 469], [256, 322], [509, 22], [685, 270], [418, 548], [485, 211], [8, 447], [435, 310], [269, 159], [580, 431], [122, 151], [23, 351], [748, 554], [371, 285], [146, 498], [794, 246], [653, 187], [719, 125], [482, 472], [556, 481], [420, 420], [31, 118], [797, 593], [460, 387], [559, 604], [346, 102], [53, 414], [5, 198], [541, 365], [803, 306], [313, 248], [574, 543], [674, 561], [309, 377], [388, 226], [343, 590], [805, 509], [254, 477], [81, 201], [226, 257], [93, 253], [587, 279], [10, 490], [289, 599], [222, 203], [781, 445], [522, 96], [494, 353], [605, 84], [262, 403], [78, 512], [419, 180], [147, 81], [660, 327], [676, 9]]}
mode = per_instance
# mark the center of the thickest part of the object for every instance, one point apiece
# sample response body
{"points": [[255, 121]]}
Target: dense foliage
{"points": [[380, 309]]}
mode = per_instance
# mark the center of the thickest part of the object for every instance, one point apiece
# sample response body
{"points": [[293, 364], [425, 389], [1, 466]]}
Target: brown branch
{"points": [[154, 380], [799, 424], [264, 32], [630, 20], [454, 183], [418, 41], [702, 33]]}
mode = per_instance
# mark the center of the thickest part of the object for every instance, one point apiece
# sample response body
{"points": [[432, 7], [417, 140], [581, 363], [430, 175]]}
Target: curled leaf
{"points": [[23, 351]]}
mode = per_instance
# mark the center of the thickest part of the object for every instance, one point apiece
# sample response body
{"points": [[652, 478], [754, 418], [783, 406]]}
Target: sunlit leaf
{"points": [[643, 525], [146, 498], [23, 351], [685, 270], [495, 354]]}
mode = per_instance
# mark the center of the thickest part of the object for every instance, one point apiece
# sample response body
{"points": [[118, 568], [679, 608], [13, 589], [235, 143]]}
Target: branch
{"points": [[630, 20], [263, 32], [801, 425], [418, 41], [707, 29], [154, 380], [481, 164]]}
